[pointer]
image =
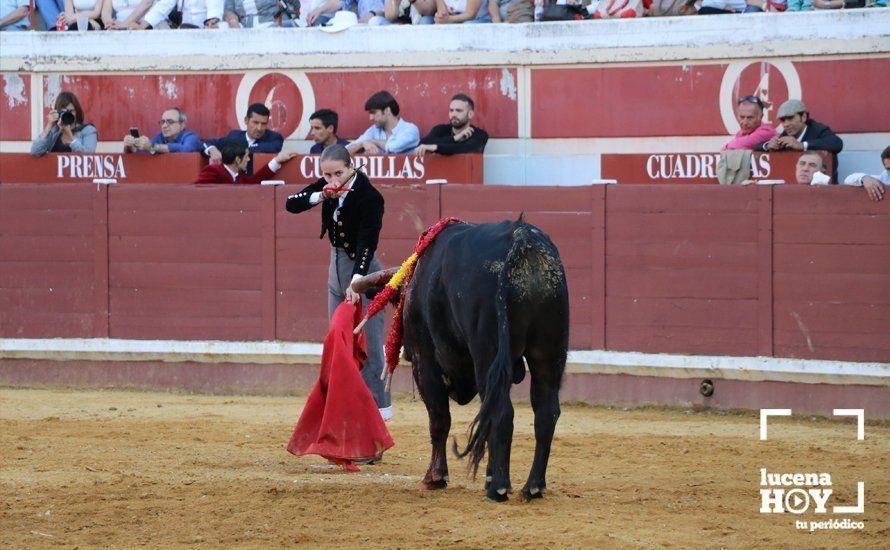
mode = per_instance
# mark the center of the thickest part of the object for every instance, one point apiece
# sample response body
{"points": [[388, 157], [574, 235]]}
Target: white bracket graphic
{"points": [[766, 413], [860, 420], [860, 502]]}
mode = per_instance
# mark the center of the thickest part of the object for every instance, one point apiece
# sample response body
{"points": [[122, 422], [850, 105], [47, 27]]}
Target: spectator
{"points": [[462, 11], [415, 12], [91, 9], [715, 7], [802, 133], [389, 133], [323, 130], [254, 14], [184, 14], [459, 136], [874, 185], [808, 165], [758, 6], [318, 12], [369, 11], [65, 130], [752, 129], [14, 15], [498, 10], [121, 15], [49, 11], [173, 137], [257, 137], [234, 160], [809, 5]]}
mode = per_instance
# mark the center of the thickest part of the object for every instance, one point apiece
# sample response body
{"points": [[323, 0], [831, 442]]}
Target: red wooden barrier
{"points": [[697, 167], [788, 271]]}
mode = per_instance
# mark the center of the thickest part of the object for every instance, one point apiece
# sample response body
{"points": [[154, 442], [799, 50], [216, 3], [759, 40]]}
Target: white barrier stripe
{"points": [[579, 361]]}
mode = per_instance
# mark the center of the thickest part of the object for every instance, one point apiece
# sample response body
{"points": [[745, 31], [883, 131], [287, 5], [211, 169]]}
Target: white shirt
{"points": [[194, 12]]}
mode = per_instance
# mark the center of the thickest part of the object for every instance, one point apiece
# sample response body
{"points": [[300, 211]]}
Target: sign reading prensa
{"points": [[76, 167], [86, 167]]}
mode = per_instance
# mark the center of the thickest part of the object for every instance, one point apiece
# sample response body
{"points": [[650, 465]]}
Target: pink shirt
{"points": [[764, 132]]}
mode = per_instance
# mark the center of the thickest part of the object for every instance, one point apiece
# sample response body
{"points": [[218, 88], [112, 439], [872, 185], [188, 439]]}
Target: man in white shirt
{"points": [[874, 185], [389, 133], [195, 14]]}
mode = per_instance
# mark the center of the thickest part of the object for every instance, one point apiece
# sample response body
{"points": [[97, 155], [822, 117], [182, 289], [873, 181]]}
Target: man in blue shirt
{"points": [[389, 133], [14, 15], [173, 137], [323, 130], [257, 137]]}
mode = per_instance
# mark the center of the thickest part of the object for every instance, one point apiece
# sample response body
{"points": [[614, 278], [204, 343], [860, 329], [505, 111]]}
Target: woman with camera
{"points": [[65, 131]]}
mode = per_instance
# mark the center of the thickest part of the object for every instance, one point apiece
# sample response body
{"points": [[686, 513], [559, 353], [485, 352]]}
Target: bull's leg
{"points": [[498, 470], [435, 397], [545, 378]]}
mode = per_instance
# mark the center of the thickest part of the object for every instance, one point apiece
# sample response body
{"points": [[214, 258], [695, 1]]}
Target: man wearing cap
{"points": [[802, 133]]}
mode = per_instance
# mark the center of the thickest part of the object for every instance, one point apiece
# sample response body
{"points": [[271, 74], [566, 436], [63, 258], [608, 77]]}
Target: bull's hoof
{"points": [[433, 484], [529, 493], [497, 496]]}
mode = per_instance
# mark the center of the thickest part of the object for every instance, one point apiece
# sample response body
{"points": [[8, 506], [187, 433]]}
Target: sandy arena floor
{"points": [[124, 469]]}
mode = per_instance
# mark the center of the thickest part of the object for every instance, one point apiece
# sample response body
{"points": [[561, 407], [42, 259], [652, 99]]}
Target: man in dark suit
{"points": [[234, 157], [257, 138], [458, 136], [802, 133]]}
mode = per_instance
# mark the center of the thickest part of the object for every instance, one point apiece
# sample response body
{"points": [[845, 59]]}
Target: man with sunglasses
{"points": [[802, 133], [752, 129], [173, 137]]}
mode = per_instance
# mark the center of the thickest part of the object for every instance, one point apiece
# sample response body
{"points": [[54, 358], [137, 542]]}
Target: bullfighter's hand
{"points": [[333, 191], [352, 296]]}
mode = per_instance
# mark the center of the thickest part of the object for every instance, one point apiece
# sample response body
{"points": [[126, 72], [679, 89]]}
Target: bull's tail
{"points": [[496, 397]]}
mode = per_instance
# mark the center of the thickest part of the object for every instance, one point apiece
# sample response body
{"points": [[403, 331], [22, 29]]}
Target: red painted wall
{"points": [[686, 100], [15, 107], [787, 271]]}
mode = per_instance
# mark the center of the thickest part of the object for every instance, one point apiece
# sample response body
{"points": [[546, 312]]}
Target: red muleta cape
{"points": [[341, 421]]}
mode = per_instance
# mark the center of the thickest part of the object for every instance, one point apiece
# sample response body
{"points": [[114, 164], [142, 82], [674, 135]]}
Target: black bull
{"points": [[482, 299]]}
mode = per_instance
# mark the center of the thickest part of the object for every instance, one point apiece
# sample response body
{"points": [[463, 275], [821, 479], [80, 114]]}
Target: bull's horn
{"points": [[378, 278]]}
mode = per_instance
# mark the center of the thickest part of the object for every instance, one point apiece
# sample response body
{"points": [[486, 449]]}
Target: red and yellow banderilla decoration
{"points": [[396, 281]]}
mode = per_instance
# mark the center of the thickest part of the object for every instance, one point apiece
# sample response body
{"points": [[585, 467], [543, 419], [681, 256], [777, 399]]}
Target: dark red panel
{"points": [[626, 101], [685, 100], [47, 279], [824, 81], [190, 293], [15, 107]]}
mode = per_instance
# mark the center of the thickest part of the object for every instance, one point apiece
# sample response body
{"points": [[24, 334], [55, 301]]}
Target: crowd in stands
{"points": [[338, 15], [66, 132]]}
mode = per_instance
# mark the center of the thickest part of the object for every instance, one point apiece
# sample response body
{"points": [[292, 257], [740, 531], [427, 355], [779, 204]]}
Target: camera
{"points": [[66, 117]]}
